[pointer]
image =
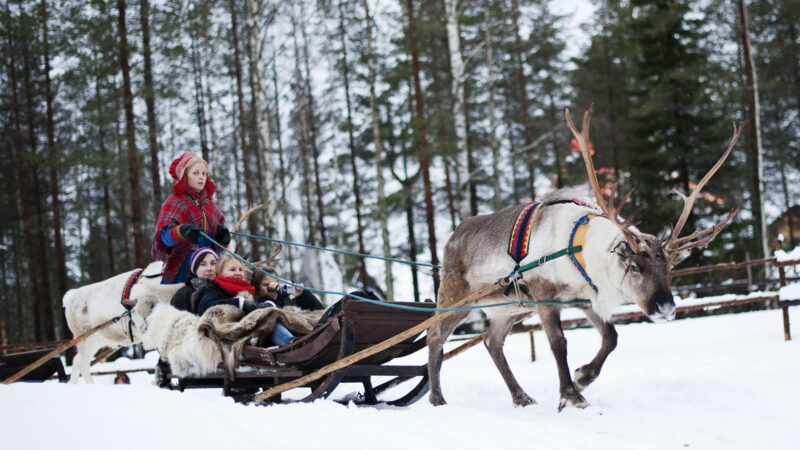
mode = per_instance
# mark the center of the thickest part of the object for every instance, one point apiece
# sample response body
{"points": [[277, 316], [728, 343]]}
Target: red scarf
{"points": [[234, 286]]}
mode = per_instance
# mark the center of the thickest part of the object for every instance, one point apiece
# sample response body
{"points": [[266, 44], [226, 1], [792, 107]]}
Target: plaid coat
{"points": [[182, 208]]}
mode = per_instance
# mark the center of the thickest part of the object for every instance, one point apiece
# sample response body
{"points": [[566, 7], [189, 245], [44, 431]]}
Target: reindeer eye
{"points": [[634, 268]]}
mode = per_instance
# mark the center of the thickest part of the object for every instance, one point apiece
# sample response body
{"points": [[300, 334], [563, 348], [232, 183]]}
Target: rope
{"points": [[343, 252], [414, 308]]}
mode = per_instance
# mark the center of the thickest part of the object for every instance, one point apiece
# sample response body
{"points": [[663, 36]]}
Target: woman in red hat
{"points": [[184, 215]]}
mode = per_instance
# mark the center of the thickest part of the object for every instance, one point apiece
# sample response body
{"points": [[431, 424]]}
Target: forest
{"points": [[375, 126]]}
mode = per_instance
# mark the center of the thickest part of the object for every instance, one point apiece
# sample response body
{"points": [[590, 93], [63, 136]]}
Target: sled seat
{"points": [[357, 326]]}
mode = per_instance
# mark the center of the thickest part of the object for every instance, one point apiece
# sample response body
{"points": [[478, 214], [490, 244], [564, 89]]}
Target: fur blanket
{"points": [[231, 329]]}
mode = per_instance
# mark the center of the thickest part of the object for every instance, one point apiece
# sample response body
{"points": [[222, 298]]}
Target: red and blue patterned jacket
{"points": [[168, 244]]}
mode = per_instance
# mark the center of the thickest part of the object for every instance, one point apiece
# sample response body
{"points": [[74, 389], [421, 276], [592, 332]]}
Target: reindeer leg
{"points": [[585, 375], [551, 322], [436, 337], [495, 338]]}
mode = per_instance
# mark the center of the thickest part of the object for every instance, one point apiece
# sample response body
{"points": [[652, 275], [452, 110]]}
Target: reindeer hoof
{"points": [[571, 397], [437, 400], [584, 376], [523, 401]]}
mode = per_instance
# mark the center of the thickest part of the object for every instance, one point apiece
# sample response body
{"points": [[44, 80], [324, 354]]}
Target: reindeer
{"points": [[617, 263]]}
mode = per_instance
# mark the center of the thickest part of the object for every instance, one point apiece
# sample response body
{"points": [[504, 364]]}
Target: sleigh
{"points": [[357, 326], [12, 363]]}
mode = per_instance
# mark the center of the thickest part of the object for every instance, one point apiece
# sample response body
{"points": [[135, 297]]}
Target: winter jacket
{"points": [[306, 301], [169, 245], [182, 300], [209, 294]]}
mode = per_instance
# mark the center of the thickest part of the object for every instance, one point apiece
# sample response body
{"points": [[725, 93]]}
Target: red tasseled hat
{"points": [[178, 168]]}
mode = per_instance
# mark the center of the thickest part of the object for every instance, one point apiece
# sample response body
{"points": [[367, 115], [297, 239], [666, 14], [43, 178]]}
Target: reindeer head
{"points": [[647, 262]]}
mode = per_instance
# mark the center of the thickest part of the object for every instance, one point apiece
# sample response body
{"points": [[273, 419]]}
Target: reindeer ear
{"points": [[623, 250], [682, 255]]}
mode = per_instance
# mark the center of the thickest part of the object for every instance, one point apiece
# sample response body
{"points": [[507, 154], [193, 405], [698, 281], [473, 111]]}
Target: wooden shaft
{"points": [[355, 357], [57, 351]]}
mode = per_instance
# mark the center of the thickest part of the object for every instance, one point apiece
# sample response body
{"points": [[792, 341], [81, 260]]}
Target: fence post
{"points": [[749, 272], [533, 348]]}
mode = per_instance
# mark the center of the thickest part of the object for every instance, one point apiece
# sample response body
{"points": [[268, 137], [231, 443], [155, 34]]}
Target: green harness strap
{"points": [[550, 257]]}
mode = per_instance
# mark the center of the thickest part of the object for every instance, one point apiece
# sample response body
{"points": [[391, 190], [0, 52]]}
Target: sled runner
{"points": [[359, 325]]}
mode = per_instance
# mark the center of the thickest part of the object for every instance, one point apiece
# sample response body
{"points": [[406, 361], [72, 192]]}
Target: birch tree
{"points": [[378, 143], [257, 24], [463, 182]]}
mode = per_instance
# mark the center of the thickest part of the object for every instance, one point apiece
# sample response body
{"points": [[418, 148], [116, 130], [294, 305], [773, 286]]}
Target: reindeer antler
{"points": [[247, 214], [273, 258], [675, 244], [610, 209]]}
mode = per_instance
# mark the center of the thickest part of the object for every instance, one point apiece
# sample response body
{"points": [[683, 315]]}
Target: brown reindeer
{"points": [[617, 263]]}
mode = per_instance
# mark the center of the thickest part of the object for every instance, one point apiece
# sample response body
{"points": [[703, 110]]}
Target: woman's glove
{"points": [[222, 235], [190, 231]]}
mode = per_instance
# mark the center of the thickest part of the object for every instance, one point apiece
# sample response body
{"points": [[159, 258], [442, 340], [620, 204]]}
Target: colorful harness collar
{"points": [[126, 291], [578, 237], [521, 233]]}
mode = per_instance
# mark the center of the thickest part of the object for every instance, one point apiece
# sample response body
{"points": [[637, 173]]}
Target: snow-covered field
{"points": [[724, 382]]}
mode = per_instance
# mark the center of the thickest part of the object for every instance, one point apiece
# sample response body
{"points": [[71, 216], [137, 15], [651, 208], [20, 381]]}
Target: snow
{"points": [[790, 292], [721, 382], [792, 255]]}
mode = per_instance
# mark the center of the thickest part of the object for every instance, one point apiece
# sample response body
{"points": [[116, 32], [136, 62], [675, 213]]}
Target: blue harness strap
{"points": [[579, 230]]}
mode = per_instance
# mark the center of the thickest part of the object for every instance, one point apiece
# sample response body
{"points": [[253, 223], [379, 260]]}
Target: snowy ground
{"points": [[724, 382]]}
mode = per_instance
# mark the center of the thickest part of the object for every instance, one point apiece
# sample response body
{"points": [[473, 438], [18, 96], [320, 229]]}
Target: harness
{"points": [[578, 237], [521, 234], [520, 237], [126, 294]]}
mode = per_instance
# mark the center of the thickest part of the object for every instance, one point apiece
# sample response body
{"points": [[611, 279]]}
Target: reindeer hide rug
{"points": [[232, 329]]}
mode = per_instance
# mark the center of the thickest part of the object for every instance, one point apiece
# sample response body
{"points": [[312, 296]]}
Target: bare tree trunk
{"points": [[257, 24], [463, 183], [383, 214], [52, 156], [421, 141], [252, 221], [523, 98], [199, 97], [303, 142], [351, 141], [754, 130], [149, 98], [130, 135], [313, 136], [23, 201], [281, 165], [490, 80], [122, 193], [41, 255], [106, 182]]}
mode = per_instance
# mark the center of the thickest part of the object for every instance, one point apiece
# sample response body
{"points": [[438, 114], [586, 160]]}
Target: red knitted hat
{"points": [[178, 169]]}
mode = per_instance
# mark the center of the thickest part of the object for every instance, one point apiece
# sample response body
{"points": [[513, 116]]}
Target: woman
{"points": [[201, 264], [269, 289], [184, 215]]}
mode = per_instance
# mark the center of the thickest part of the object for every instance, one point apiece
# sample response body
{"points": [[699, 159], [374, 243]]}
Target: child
{"points": [[229, 287], [184, 215], [268, 289]]}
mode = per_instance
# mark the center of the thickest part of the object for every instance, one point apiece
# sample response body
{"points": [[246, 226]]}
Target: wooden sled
{"points": [[359, 325], [12, 363]]}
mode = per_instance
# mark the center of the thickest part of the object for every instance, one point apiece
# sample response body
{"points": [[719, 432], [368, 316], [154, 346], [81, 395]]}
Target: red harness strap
{"points": [[126, 291]]}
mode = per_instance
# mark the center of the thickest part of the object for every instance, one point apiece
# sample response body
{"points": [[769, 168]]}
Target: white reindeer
{"points": [[620, 263], [174, 334], [93, 304]]}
